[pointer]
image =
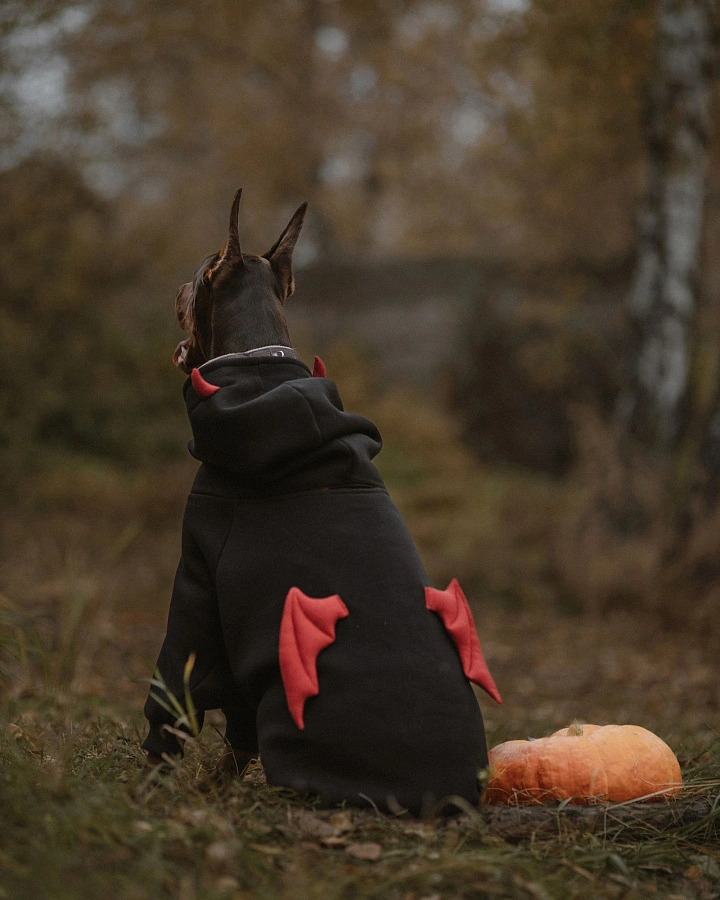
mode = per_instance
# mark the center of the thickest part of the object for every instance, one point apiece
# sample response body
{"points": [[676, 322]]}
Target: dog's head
{"points": [[235, 300]]}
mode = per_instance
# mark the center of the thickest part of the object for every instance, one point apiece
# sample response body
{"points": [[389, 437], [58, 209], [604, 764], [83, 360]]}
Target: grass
{"points": [[86, 585], [83, 817]]}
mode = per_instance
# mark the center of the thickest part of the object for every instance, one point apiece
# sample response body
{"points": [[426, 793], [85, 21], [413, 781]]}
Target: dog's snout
{"points": [[182, 303], [180, 355]]}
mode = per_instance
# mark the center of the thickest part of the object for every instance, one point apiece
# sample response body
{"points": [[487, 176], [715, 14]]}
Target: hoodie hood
{"points": [[270, 424]]}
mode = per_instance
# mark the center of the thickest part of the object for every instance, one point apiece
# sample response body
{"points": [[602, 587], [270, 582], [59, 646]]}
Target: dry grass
{"points": [[643, 532], [82, 817], [85, 588]]}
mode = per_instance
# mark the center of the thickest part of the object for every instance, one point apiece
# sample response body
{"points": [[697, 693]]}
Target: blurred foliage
{"points": [[520, 374], [500, 130], [73, 380], [422, 128], [414, 128]]}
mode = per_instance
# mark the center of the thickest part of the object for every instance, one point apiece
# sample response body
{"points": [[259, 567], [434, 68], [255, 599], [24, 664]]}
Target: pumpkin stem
{"points": [[575, 730]]}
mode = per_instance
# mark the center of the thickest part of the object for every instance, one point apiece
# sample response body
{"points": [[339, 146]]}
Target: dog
{"points": [[299, 594]]}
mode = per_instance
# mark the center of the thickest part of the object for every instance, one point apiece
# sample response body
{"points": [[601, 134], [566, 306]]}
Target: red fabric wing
{"points": [[319, 370], [452, 607], [307, 627], [202, 388]]}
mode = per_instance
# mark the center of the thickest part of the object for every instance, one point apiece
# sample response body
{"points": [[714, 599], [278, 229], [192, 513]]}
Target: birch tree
{"points": [[664, 294]]}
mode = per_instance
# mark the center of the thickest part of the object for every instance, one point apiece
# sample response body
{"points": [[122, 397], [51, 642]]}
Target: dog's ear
{"points": [[231, 254], [232, 249], [280, 254]]}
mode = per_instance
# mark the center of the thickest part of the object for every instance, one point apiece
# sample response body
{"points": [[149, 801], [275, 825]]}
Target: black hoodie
{"points": [[287, 497]]}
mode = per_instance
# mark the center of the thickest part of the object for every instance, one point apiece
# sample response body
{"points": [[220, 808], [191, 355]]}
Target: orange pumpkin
{"points": [[583, 764]]}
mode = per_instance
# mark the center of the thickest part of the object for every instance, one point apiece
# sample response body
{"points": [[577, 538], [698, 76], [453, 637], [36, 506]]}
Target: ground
{"points": [[82, 817], [85, 582]]}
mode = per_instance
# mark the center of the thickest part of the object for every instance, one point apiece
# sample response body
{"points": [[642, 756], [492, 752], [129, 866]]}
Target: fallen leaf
{"points": [[708, 865], [334, 841], [309, 845], [419, 829], [313, 826], [366, 850], [342, 821], [221, 853], [191, 816]]}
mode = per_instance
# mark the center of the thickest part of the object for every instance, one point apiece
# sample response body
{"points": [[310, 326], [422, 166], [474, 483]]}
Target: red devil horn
{"points": [[202, 388], [319, 370]]}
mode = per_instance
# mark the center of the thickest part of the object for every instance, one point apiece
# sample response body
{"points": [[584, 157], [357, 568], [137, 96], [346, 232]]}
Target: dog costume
{"points": [[305, 603]]}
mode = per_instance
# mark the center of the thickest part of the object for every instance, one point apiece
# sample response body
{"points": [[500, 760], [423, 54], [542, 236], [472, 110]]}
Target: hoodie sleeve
{"points": [[193, 628]]}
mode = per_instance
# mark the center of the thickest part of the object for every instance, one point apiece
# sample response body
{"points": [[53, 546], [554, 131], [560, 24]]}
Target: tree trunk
{"points": [[664, 294]]}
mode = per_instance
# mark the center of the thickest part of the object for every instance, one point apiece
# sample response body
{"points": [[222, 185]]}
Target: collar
{"points": [[270, 350]]}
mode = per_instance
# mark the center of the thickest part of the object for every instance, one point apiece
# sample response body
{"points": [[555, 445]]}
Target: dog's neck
{"points": [[276, 350]]}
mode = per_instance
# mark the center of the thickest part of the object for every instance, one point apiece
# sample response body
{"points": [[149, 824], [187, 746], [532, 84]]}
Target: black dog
{"points": [[299, 591]]}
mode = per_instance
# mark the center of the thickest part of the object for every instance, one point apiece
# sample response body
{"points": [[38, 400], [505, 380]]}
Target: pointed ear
{"points": [[280, 254], [231, 253], [232, 247]]}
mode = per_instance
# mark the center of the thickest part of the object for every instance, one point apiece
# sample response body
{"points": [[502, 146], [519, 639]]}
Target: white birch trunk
{"points": [[664, 294]]}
